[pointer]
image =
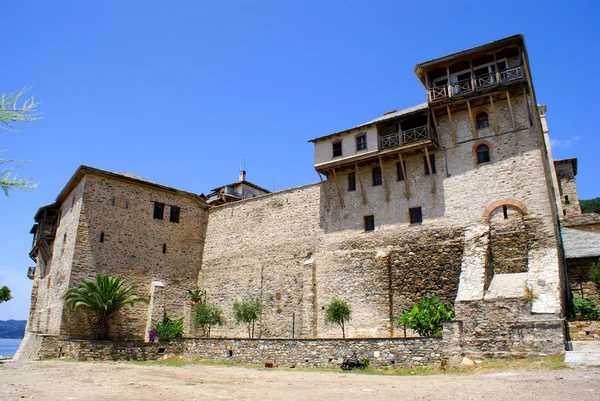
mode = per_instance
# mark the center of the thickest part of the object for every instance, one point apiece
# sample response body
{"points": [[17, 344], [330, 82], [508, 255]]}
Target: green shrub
{"points": [[207, 316], [586, 308], [595, 273], [247, 312], [169, 328], [426, 317], [338, 312]]}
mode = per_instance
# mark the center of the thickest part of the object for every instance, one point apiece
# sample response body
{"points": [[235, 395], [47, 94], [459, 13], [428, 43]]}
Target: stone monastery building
{"points": [[456, 197]]}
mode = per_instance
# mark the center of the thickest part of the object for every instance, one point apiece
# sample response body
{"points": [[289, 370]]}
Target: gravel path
{"points": [[61, 380]]}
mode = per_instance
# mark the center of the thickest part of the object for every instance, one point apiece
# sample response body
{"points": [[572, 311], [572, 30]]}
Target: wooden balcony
{"points": [[407, 138], [475, 83]]}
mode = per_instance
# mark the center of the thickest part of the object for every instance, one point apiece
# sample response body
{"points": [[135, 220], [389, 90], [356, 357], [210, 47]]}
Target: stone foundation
{"points": [[584, 330]]}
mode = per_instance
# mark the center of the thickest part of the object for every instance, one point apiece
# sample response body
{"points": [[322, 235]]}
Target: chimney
{"points": [[242, 176]]}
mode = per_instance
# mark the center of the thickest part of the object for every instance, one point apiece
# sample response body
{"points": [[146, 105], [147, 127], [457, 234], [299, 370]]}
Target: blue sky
{"points": [[180, 91]]}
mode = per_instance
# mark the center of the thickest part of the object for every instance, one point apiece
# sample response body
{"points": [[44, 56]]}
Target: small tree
{"points": [[426, 317], [103, 296], [338, 312], [247, 312], [207, 316], [5, 294]]}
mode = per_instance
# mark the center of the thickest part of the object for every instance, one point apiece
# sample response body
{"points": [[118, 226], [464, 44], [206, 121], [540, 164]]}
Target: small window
{"points": [[482, 120], [164, 248], [399, 170], [113, 201], [416, 216], [337, 148], [361, 142], [102, 236], [73, 202], [369, 223], [483, 154], [174, 216], [567, 201], [432, 161], [159, 210], [377, 176], [505, 212], [126, 204], [351, 182]]}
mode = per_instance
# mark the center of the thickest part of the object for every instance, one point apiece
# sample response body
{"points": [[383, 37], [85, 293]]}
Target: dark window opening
{"points": [[377, 180], [505, 212], [369, 223], [174, 216], [230, 353], [337, 148], [564, 212], [361, 142], [351, 182], [126, 204], [481, 120], [567, 201], [159, 210], [113, 201], [102, 236], [399, 170], [164, 248], [161, 350], [73, 202], [432, 161], [416, 216], [483, 154]]}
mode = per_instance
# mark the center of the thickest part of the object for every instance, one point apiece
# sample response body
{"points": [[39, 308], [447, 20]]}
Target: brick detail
{"points": [[508, 202]]}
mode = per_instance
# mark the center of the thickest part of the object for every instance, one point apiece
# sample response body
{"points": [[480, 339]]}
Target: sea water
{"points": [[8, 346]]}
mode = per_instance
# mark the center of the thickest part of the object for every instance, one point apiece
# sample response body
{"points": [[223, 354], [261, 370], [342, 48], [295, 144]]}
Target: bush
{"points": [[338, 312], [207, 316], [247, 312], [595, 273], [169, 328], [426, 317], [586, 308]]}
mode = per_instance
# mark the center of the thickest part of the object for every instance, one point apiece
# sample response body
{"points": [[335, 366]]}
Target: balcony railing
{"points": [[31, 272], [480, 82], [404, 137]]}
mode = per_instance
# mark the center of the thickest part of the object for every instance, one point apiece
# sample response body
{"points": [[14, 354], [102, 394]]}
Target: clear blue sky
{"points": [[180, 91]]}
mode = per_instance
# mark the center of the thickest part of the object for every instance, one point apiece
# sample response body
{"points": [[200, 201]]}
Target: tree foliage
{"points": [[586, 308], [12, 111], [5, 294], [247, 312], [207, 316], [196, 295], [103, 297], [590, 205], [338, 312], [595, 273], [169, 328], [426, 317]]}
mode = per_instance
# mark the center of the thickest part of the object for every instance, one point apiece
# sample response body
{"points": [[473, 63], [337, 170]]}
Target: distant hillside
{"points": [[12, 328], [590, 205]]}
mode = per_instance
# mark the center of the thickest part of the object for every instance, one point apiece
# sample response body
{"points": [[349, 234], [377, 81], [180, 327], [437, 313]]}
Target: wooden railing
{"points": [[480, 82], [404, 137]]}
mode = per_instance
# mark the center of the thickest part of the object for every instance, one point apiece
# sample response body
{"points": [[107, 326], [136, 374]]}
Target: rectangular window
{"points": [[351, 182], [337, 148], [164, 248], [416, 216], [399, 169], [432, 161], [369, 223], [159, 210], [377, 176], [361, 142], [174, 216], [102, 236]]}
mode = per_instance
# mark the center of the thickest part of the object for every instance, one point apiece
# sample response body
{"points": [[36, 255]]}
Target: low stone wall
{"points": [[584, 329], [326, 353]]}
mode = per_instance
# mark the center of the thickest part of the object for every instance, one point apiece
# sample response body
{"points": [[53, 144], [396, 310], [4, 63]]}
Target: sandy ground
{"points": [[61, 380]]}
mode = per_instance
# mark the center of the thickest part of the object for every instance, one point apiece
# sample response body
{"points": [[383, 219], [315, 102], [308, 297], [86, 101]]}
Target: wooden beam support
{"points": [[472, 119], [512, 114], [337, 185], [320, 177], [451, 125], [362, 192], [448, 85], [385, 188], [406, 192], [527, 105], [427, 86], [494, 115], [430, 169], [472, 75]]}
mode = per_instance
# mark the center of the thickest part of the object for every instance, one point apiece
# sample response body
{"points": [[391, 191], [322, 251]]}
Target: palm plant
{"points": [[103, 296]]}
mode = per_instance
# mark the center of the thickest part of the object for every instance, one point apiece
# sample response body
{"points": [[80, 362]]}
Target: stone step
{"points": [[585, 353]]}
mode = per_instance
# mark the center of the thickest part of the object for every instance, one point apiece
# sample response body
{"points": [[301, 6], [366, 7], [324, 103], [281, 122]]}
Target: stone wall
{"points": [[382, 352], [584, 330], [567, 187], [508, 328], [580, 281]]}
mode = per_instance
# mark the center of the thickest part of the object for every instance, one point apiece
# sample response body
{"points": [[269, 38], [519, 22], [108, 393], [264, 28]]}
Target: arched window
{"points": [[483, 154], [482, 120]]}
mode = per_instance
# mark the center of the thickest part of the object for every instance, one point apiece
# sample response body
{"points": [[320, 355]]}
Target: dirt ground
{"points": [[62, 380]]}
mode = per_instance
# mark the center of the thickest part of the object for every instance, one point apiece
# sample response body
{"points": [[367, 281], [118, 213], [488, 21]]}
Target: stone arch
{"points": [[512, 203]]}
